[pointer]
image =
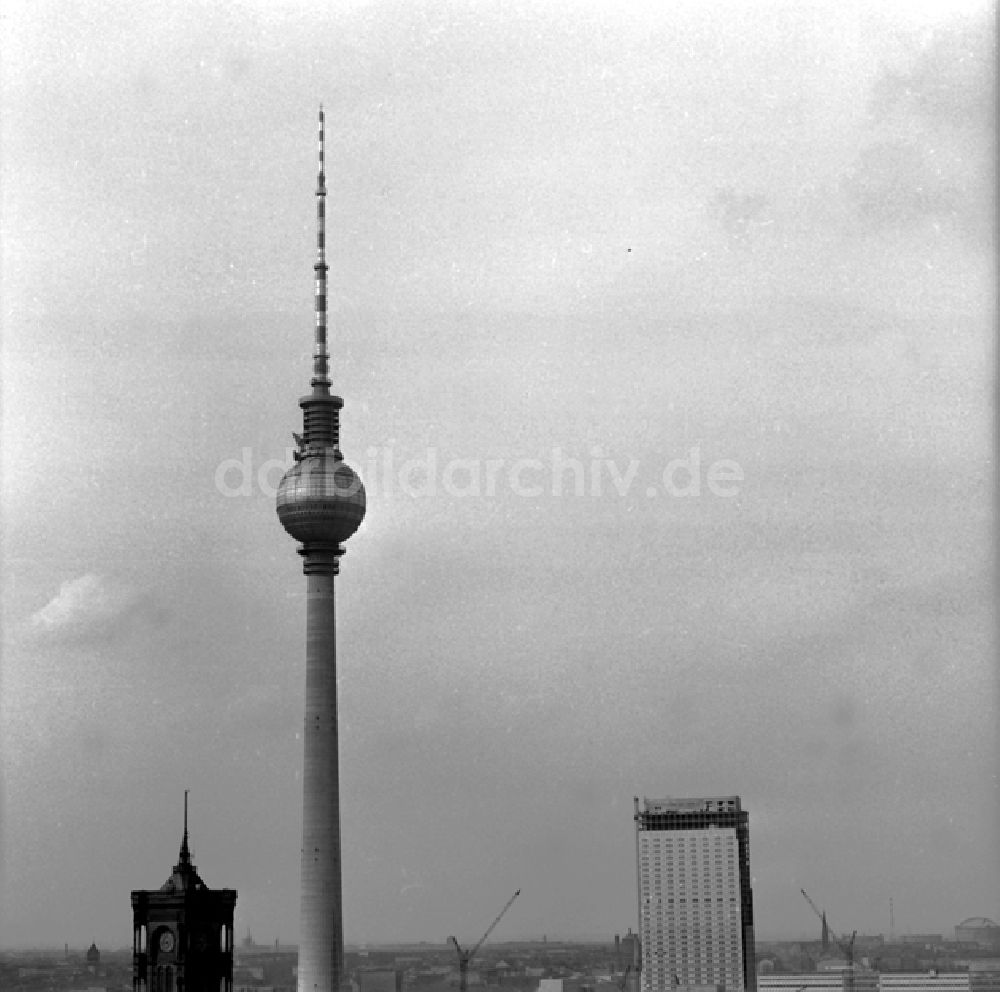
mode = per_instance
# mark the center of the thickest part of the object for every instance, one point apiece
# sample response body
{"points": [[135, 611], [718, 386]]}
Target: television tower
{"points": [[320, 502]]}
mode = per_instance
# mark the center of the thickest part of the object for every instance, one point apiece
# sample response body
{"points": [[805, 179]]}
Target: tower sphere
{"points": [[321, 498]]}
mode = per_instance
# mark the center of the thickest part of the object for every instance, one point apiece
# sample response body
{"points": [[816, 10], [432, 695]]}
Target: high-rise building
{"points": [[695, 903], [182, 933], [320, 503]]}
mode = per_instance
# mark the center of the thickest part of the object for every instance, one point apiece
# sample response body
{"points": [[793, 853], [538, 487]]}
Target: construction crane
{"points": [[464, 957], [847, 946], [623, 984]]}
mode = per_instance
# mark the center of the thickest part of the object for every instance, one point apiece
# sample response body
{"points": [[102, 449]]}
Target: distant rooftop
{"points": [[706, 804]]}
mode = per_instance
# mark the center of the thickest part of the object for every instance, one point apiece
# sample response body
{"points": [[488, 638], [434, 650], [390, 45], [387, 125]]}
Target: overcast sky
{"points": [[711, 286]]}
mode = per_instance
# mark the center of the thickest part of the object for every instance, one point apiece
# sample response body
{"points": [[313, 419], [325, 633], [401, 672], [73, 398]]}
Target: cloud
{"points": [[93, 607], [950, 81], [897, 183], [739, 213], [931, 154]]}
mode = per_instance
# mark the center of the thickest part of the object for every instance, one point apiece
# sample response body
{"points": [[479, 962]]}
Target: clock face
{"points": [[166, 941]]}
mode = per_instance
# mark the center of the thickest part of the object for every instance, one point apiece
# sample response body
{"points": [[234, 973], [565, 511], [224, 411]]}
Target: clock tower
{"points": [[182, 933]]}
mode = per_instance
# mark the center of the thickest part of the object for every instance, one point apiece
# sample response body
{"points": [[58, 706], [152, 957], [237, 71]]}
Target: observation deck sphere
{"points": [[321, 498]]}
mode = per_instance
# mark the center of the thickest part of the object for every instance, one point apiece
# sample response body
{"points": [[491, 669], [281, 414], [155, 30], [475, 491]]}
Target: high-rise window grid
{"points": [[695, 907]]}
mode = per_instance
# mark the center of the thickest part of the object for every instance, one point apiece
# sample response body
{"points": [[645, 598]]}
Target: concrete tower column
{"points": [[321, 948]]}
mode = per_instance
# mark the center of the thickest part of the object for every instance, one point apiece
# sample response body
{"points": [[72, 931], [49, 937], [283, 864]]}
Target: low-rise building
{"points": [[978, 931]]}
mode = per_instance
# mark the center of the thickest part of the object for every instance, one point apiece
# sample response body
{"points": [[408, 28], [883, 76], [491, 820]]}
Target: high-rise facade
{"points": [[695, 902], [320, 503]]}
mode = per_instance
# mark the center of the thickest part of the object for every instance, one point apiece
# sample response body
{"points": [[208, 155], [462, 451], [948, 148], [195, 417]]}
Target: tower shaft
{"points": [[321, 947]]}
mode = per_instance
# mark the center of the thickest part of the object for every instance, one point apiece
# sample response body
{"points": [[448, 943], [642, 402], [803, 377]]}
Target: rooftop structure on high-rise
{"points": [[695, 903], [320, 503]]}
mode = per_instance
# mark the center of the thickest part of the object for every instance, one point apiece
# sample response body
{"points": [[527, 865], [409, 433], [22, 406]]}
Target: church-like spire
{"points": [[185, 855], [185, 874]]}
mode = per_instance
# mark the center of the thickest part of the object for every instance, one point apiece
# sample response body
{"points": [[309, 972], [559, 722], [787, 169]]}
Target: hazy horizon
{"points": [[354, 946]]}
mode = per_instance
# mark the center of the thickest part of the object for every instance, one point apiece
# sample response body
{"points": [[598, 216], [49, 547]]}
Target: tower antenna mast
{"points": [[321, 355]]}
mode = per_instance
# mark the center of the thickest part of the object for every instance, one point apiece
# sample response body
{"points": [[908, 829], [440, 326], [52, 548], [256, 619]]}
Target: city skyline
{"points": [[666, 342]]}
